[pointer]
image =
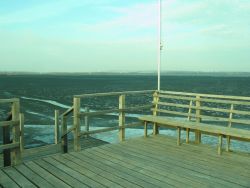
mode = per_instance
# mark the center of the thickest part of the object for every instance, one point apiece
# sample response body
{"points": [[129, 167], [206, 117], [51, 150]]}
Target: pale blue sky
{"points": [[114, 35]]}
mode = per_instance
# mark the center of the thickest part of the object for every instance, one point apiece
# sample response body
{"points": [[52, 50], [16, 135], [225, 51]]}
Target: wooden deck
{"points": [[155, 161]]}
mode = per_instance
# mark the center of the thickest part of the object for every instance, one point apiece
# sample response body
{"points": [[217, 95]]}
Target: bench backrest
{"points": [[219, 109]]}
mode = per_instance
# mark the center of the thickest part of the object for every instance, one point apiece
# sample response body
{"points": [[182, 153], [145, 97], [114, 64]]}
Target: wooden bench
{"points": [[222, 116]]}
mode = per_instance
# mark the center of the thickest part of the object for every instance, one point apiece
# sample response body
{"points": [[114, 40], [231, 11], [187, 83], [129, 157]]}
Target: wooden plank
{"points": [[46, 175], [121, 118], [56, 135], [21, 180], [227, 158], [190, 111], [198, 119], [229, 125], [174, 112], [76, 123], [163, 162], [6, 181], [213, 163], [10, 146], [8, 100], [206, 95], [175, 175], [32, 176], [85, 168], [82, 133], [9, 123], [69, 173], [16, 153], [112, 175], [178, 136], [220, 145], [67, 112], [219, 101], [131, 168], [54, 168], [123, 172], [145, 128], [21, 117], [206, 158], [114, 93]]}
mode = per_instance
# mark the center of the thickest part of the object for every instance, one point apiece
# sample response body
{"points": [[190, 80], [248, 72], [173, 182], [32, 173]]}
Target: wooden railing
{"points": [[12, 126], [231, 111], [79, 114]]}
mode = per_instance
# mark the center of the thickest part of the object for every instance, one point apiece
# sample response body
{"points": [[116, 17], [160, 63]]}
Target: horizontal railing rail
{"points": [[113, 94], [206, 95]]}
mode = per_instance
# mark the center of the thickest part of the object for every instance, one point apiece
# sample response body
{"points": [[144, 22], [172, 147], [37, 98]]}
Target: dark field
{"points": [[40, 95]]}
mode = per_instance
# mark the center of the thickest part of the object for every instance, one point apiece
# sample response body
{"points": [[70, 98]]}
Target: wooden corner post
{"points": [[121, 118], [76, 122], [198, 119], [155, 101], [16, 153], [56, 126]]}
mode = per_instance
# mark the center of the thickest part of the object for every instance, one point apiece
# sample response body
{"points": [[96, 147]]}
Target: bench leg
{"points": [[228, 143], [156, 129], [197, 137], [187, 135], [220, 144], [178, 136], [145, 129]]}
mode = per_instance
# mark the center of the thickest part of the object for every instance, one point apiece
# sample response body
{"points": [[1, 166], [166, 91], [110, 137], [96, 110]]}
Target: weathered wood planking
{"points": [[154, 161]]}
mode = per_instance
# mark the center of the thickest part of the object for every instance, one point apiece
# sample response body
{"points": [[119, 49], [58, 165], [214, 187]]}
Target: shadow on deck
{"points": [[152, 162], [52, 149]]}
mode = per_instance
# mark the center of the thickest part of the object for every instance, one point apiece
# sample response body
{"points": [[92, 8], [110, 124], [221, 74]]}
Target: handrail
{"points": [[9, 100], [206, 95], [113, 93], [9, 123], [103, 112], [67, 112]]}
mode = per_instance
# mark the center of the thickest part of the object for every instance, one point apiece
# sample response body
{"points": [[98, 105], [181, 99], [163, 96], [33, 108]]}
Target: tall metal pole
{"points": [[159, 45]]}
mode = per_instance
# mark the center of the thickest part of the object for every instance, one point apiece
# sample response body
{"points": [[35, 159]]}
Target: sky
{"points": [[121, 36]]}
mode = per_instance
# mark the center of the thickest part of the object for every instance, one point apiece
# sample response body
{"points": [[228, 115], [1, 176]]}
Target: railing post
{"points": [[56, 126], [6, 140], [121, 118], [76, 122], [16, 153], [155, 101], [64, 138], [198, 119], [189, 119], [229, 125], [86, 120], [21, 117]]}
